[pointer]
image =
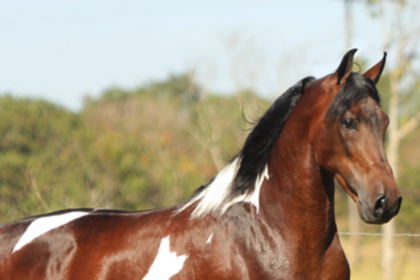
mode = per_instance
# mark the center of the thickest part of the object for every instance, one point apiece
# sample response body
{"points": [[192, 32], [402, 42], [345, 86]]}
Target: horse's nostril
{"points": [[379, 207], [398, 205]]}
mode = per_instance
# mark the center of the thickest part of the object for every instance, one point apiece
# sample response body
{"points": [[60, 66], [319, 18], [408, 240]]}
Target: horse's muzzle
{"points": [[382, 211]]}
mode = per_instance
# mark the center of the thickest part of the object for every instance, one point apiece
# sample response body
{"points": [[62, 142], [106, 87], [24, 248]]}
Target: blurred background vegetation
{"points": [[131, 149]]}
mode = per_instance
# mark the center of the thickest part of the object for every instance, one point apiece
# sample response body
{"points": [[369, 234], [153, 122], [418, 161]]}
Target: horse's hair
{"points": [[259, 145], [241, 179], [356, 88]]}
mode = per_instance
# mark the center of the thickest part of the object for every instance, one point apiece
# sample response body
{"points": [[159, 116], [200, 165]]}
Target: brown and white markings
{"points": [[269, 214]]}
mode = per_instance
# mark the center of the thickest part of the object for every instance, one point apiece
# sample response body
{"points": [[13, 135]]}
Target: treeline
{"points": [[134, 149], [137, 149]]}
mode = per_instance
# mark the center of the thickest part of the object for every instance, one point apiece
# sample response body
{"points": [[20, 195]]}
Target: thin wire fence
{"points": [[380, 234]]}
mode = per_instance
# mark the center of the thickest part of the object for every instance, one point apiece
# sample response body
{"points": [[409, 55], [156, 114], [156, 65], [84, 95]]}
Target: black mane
{"points": [[259, 145], [356, 88]]}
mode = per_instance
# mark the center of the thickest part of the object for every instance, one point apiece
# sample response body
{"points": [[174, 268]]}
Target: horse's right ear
{"points": [[345, 68]]}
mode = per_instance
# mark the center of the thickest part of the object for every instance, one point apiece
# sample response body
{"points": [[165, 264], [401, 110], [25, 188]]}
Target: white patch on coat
{"points": [[254, 198], [166, 264], [209, 239], [214, 195], [45, 224]]}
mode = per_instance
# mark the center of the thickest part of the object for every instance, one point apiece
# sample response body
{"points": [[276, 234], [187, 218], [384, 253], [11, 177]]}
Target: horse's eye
{"points": [[349, 123]]}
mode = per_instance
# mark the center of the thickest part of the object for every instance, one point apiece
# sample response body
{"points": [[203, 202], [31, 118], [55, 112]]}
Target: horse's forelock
{"points": [[356, 88]]}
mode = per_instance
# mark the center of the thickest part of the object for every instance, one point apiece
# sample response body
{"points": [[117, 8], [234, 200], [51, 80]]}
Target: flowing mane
{"points": [[241, 179]]}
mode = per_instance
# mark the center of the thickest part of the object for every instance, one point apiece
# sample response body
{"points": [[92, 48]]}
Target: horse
{"points": [[269, 214]]}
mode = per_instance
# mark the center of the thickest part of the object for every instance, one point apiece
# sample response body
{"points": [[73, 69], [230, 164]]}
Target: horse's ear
{"points": [[345, 68], [375, 72]]}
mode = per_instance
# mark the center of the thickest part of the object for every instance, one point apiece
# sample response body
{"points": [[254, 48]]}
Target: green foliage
{"points": [[384, 91], [35, 135], [129, 149]]}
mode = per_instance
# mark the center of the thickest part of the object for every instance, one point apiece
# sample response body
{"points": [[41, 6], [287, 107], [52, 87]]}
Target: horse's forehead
{"points": [[368, 107], [370, 111]]}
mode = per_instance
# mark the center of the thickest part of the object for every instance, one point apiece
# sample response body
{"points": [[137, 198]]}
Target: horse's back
{"points": [[79, 244], [9, 236]]}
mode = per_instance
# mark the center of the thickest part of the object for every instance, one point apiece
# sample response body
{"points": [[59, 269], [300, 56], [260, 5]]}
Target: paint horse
{"points": [[269, 214]]}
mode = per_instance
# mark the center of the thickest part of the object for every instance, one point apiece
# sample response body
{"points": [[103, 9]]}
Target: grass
{"points": [[368, 265]]}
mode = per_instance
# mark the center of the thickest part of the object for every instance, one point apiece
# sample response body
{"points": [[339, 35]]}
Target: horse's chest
{"points": [[283, 261]]}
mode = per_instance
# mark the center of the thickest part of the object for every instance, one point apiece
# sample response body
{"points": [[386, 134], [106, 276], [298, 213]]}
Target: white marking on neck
{"points": [[45, 224], [255, 196], [166, 264], [209, 239], [214, 195]]}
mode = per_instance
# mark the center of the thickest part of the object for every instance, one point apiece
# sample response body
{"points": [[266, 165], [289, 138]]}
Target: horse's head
{"points": [[349, 141]]}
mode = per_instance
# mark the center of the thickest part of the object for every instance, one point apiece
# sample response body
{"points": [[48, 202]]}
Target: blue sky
{"points": [[64, 50]]}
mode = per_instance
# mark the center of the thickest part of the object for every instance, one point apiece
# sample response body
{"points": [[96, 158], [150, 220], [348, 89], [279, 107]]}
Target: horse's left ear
{"points": [[375, 72], [345, 68]]}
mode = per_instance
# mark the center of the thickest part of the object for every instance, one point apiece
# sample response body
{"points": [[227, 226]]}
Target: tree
{"points": [[400, 35], [130, 149]]}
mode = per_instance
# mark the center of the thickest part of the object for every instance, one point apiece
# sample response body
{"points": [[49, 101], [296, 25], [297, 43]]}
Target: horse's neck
{"points": [[300, 194]]}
